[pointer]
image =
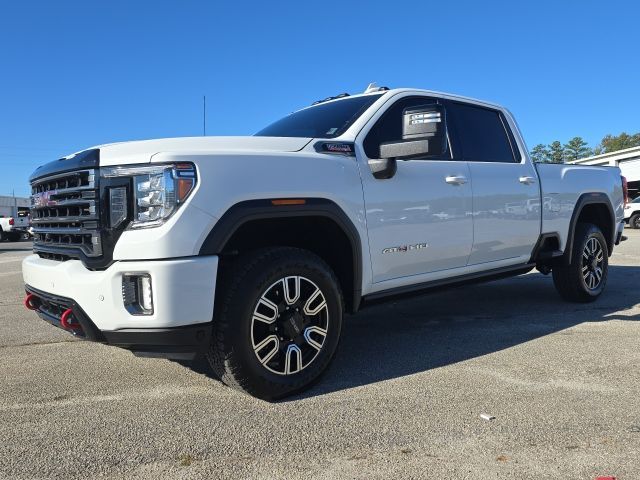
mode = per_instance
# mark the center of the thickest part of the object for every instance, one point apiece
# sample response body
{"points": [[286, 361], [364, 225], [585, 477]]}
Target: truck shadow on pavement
{"points": [[414, 335], [398, 339]]}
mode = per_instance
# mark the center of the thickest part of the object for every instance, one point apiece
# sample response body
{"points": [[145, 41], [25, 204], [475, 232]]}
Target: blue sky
{"points": [[76, 73]]}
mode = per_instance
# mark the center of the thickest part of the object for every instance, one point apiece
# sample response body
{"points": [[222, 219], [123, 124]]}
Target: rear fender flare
{"points": [[594, 198]]}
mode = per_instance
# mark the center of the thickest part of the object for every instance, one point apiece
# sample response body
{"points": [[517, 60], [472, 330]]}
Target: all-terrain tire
{"points": [[585, 278], [241, 286]]}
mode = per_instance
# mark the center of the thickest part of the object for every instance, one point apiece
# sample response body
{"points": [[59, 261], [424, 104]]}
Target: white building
{"points": [[10, 206], [629, 162]]}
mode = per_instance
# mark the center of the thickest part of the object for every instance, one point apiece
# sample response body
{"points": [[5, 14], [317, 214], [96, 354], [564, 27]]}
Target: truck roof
{"points": [[395, 91]]}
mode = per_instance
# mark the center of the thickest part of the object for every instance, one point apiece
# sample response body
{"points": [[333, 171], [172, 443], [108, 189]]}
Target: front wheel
{"points": [[584, 279], [634, 221], [277, 322]]}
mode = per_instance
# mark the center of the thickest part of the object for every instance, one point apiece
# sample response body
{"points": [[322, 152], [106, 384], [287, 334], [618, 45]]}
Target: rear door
{"points": [[506, 193], [419, 221]]}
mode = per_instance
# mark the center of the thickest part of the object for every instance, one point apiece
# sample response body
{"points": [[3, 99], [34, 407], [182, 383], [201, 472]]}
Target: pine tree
{"points": [[557, 153], [613, 143], [576, 148], [540, 153]]}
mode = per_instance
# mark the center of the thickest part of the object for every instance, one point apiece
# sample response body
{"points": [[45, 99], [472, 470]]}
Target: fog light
{"points": [[137, 293]]}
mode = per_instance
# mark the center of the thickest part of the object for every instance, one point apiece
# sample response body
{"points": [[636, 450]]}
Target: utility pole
{"points": [[204, 116], [15, 203]]}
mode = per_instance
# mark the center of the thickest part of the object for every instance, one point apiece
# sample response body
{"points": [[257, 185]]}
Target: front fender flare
{"points": [[264, 209]]}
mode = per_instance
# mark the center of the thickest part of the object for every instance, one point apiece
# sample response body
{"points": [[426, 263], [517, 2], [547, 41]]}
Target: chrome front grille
{"points": [[65, 214]]}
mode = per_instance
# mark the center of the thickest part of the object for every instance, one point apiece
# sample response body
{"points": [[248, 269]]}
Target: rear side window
{"points": [[481, 134]]}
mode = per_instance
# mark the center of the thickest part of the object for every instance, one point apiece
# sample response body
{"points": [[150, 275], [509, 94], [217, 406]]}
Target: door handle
{"points": [[527, 180], [455, 180]]}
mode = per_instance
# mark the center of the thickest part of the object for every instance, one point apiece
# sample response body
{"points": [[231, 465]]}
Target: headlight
{"points": [[158, 191]]}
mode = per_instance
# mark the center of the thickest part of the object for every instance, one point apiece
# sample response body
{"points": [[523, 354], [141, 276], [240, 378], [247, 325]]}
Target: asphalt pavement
{"points": [[403, 398]]}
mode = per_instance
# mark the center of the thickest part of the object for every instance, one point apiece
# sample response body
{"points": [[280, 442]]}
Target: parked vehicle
{"points": [[632, 213], [251, 249], [13, 229]]}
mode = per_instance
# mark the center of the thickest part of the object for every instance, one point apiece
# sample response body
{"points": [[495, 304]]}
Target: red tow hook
{"points": [[64, 321], [29, 301]]}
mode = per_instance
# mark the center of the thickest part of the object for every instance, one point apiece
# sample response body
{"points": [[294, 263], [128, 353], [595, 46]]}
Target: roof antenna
{"points": [[204, 115], [373, 87]]}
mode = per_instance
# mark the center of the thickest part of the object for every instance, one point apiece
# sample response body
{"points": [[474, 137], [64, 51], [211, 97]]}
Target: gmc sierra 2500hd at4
{"points": [[250, 249]]}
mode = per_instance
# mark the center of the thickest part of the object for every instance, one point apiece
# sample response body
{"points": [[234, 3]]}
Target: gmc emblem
{"points": [[43, 199]]}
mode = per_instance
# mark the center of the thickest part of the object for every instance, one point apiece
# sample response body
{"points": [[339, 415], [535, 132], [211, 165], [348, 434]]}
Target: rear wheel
{"points": [[634, 221], [584, 279], [277, 323]]}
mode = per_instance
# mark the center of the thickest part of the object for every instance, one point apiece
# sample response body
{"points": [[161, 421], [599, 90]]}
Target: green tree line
{"points": [[558, 152]]}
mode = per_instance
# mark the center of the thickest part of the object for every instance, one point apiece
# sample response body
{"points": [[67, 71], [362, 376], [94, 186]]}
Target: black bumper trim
{"points": [[89, 330], [178, 343]]}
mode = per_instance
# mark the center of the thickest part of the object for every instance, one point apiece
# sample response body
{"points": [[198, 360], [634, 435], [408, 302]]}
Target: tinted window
{"points": [[326, 120], [480, 133]]}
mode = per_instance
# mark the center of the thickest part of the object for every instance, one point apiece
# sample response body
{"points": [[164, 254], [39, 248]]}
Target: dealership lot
{"points": [[402, 399]]}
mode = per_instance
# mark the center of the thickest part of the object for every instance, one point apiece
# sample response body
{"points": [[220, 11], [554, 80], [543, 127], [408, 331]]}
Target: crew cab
{"points": [[13, 229], [250, 250]]}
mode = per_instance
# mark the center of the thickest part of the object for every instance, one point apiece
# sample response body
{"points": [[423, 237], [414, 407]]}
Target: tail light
{"points": [[11, 221], [625, 190]]}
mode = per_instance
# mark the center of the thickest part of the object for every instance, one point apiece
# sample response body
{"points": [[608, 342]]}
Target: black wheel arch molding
{"points": [[246, 211], [591, 198]]}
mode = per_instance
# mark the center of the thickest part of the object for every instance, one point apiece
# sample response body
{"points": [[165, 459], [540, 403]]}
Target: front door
{"points": [[420, 220]]}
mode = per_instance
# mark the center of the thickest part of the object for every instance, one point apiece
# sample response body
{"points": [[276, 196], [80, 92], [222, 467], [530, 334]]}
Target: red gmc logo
{"points": [[43, 199]]}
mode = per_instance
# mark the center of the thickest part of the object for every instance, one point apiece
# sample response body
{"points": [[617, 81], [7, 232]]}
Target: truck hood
{"points": [[141, 151]]}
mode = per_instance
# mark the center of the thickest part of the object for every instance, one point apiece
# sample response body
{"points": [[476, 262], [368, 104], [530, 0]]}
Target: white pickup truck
{"points": [[13, 229], [632, 213], [251, 249]]}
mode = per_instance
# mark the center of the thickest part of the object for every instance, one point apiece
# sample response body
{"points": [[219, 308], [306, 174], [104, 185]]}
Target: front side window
{"points": [[325, 120], [481, 133], [388, 128]]}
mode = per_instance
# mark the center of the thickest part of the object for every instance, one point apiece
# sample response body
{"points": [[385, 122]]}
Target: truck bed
{"points": [[562, 186]]}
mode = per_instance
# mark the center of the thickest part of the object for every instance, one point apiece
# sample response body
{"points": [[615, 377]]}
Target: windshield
{"points": [[326, 120]]}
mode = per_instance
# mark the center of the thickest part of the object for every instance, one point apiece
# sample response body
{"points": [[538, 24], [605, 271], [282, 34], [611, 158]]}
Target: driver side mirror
{"points": [[423, 134]]}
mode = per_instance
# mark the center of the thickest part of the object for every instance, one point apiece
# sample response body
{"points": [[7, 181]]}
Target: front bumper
{"points": [[183, 299]]}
